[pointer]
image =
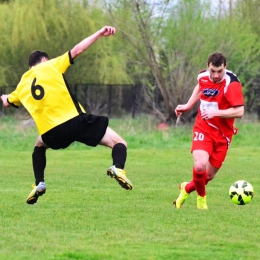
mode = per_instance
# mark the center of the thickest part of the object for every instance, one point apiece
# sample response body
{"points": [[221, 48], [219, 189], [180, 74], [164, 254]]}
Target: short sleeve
{"points": [[234, 94], [62, 62]]}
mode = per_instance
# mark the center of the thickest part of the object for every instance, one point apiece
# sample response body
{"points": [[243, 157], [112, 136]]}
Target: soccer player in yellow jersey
{"points": [[60, 119]]}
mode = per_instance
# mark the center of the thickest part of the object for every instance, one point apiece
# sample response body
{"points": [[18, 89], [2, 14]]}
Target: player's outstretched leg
{"points": [[182, 196], [202, 202], [120, 176], [37, 191]]}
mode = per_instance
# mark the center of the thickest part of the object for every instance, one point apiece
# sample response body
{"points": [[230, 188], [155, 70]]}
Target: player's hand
{"points": [[107, 31], [4, 98], [207, 114], [181, 108]]}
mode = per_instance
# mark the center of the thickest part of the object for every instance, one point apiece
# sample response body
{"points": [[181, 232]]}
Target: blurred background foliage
{"points": [[160, 46]]}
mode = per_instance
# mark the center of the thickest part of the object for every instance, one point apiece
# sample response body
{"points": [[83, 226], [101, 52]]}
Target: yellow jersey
{"points": [[44, 92]]}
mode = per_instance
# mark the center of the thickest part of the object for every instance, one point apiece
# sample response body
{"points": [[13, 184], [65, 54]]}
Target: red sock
{"points": [[199, 179], [190, 187]]}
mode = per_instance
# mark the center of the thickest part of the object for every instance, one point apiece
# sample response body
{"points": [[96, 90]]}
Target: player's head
{"points": [[217, 64], [37, 57]]}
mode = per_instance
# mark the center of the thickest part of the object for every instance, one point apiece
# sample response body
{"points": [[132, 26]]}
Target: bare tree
{"points": [[150, 28], [144, 38]]}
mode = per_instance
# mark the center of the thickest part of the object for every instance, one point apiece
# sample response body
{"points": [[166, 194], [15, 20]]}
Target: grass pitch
{"points": [[87, 215]]}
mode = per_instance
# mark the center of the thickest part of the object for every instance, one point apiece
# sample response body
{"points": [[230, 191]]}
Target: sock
{"points": [[119, 155], [39, 163], [199, 182], [190, 187]]}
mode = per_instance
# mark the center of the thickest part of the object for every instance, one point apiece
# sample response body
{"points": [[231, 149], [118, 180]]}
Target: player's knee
{"points": [[200, 167]]}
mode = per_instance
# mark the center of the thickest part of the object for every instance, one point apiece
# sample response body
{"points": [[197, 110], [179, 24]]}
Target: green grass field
{"points": [[87, 215]]}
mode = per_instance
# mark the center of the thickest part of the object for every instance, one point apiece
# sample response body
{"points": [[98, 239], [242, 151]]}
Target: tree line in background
{"points": [[159, 45], [113, 100]]}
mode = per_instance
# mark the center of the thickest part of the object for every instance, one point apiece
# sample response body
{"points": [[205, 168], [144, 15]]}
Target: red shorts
{"points": [[215, 144]]}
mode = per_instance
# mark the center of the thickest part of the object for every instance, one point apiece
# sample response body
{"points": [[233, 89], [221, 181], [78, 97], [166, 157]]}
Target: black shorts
{"points": [[86, 128]]}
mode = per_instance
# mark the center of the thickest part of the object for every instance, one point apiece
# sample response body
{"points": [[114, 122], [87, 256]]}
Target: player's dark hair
{"points": [[217, 59], [36, 56]]}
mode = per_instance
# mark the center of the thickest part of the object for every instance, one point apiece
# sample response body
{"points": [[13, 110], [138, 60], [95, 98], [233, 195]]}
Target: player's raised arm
{"points": [[4, 98], [84, 44]]}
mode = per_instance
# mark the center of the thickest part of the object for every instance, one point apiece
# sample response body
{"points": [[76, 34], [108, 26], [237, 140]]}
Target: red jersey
{"points": [[219, 96]]}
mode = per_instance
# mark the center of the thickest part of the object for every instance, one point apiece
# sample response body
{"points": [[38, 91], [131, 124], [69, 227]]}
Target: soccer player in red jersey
{"points": [[221, 101]]}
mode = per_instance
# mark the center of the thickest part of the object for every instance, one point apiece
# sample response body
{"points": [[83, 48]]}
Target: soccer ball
{"points": [[241, 192]]}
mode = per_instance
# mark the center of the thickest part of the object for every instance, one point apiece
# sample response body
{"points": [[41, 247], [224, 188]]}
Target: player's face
{"points": [[216, 73]]}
